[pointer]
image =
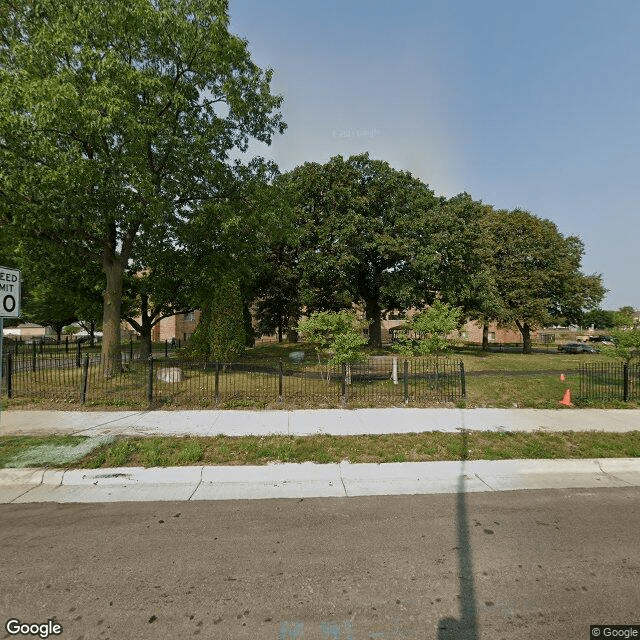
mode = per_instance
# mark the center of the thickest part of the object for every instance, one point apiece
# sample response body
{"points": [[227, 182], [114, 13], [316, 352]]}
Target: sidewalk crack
{"points": [[139, 414], [25, 493], [484, 482], [613, 477], [198, 485], [344, 487], [30, 488]]}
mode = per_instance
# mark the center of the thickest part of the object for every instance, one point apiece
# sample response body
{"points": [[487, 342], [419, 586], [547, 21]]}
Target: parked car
{"points": [[606, 340], [577, 347]]}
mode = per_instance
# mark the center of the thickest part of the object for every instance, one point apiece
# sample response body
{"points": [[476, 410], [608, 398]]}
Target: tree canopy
{"points": [[116, 123], [536, 272], [365, 237]]}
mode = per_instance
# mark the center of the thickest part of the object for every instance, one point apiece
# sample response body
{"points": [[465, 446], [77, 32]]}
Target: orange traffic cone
{"points": [[562, 376], [566, 401]]}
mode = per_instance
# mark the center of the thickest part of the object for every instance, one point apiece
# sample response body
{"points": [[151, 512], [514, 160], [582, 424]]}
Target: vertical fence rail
{"points": [[625, 383], [150, 380], [9, 375], [610, 381], [85, 378]]}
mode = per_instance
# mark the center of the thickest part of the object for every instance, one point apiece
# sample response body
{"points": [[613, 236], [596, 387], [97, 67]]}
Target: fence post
{"points": [[280, 380], [78, 352], [463, 384], [343, 384], [9, 364], [150, 380], [217, 382], [33, 356], [625, 378], [85, 377], [405, 381]]}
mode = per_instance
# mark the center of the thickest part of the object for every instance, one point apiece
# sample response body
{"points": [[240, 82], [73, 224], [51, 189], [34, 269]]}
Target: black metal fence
{"points": [[610, 381], [38, 347], [170, 381]]}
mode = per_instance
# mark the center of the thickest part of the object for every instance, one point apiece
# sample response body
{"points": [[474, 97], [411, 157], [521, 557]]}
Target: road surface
{"points": [[514, 565]]}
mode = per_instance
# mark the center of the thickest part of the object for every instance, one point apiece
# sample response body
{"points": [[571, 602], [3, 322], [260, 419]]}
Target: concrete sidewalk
{"points": [[316, 421], [311, 480]]}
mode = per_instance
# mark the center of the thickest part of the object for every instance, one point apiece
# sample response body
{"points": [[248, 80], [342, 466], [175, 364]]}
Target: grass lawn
{"points": [[84, 452]]}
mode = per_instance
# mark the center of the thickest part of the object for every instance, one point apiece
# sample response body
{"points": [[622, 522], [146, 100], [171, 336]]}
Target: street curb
{"points": [[126, 476], [308, 480]]}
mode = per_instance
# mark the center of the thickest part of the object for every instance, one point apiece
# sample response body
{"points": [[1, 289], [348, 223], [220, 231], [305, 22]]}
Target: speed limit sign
{"points": [[9, 293]]}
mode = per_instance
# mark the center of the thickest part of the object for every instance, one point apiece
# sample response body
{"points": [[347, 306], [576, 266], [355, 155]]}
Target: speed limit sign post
{"points": [[9, 305]]}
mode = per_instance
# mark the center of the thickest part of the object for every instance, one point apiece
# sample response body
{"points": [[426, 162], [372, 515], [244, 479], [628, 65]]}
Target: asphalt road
{"points": [[524, 564]]}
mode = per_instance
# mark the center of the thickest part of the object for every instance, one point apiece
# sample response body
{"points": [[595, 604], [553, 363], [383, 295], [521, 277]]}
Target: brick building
{"points": [[180, 326]]}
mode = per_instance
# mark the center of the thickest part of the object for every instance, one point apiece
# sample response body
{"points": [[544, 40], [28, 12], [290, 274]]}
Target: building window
{"points": [[492, 336]]}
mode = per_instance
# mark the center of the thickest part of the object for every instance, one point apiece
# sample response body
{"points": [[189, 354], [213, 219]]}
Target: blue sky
{"points": [[522, 104]]}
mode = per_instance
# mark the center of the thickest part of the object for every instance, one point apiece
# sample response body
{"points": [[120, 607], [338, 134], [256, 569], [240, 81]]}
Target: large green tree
{"points": [[366, 237], [599, 318], [536, 272], [56, 289], [157, 290], [465, 276], [277, 287], [624, 317], [116, 122]]}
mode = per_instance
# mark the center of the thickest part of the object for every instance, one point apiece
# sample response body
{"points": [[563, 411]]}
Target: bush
{"points": [[427, 332], [337, 332]]}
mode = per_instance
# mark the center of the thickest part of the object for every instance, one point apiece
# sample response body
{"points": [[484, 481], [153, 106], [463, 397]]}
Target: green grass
{"points": [[533, 391], [260, 450]]}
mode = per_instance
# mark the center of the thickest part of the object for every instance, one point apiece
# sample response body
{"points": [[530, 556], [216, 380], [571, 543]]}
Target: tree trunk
{"points": [[111, 314], [525, 330], [374, 316], [485, 337], [145, 342], [280, 323]]}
